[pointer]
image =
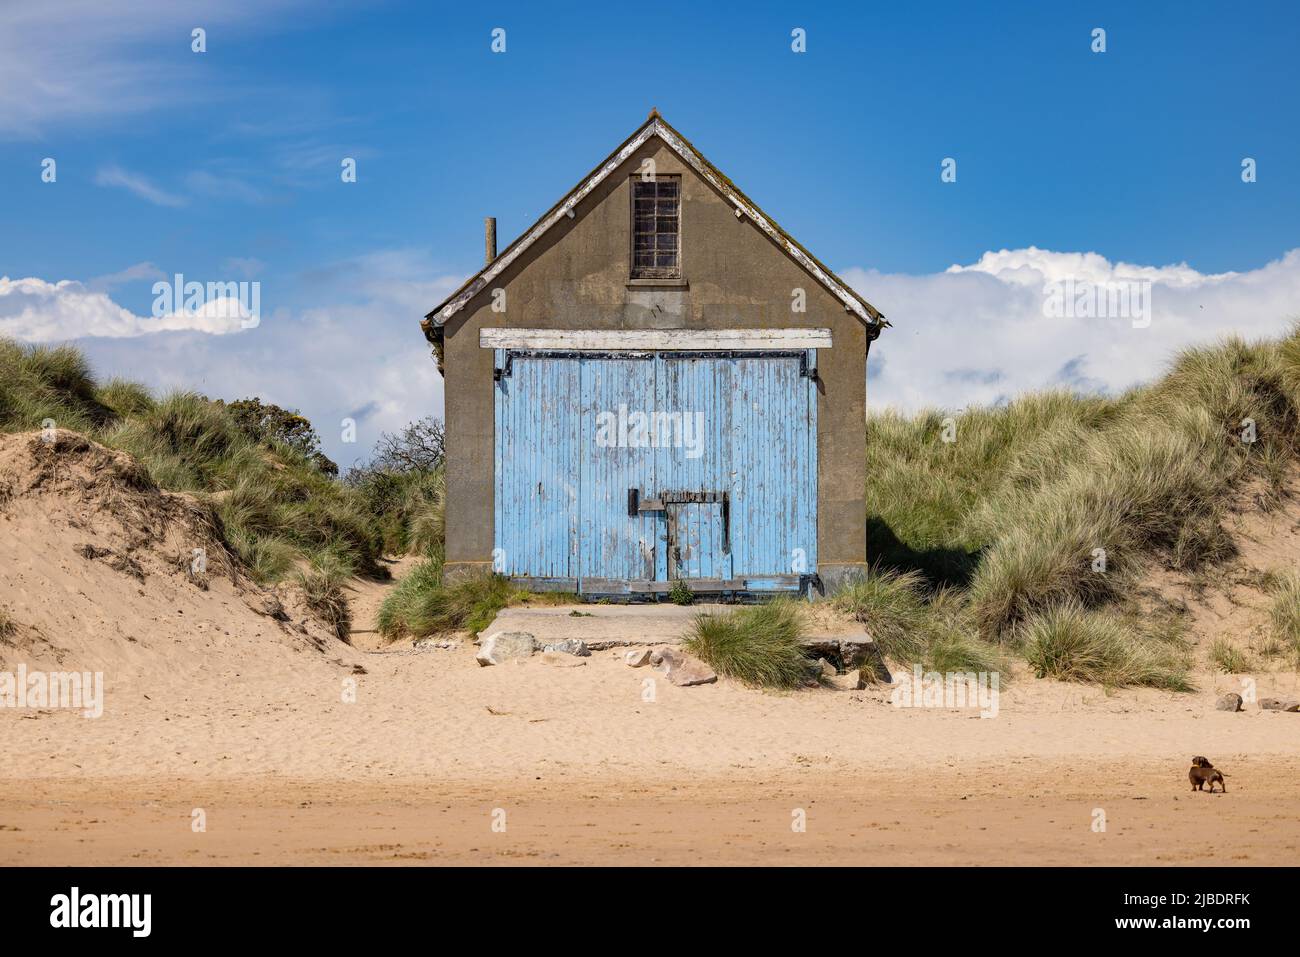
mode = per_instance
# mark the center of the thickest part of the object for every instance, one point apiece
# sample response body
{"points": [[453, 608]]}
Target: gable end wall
{"points": [[576, 277]]}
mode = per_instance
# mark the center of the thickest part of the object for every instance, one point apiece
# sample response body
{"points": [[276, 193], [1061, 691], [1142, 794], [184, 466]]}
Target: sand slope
{"points": [[100, 570]]}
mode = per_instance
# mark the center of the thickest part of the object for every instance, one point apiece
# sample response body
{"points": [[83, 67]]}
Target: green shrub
{"points": [[891, 607], [188, 443], [424, 507], [1072, 643], [759, 645], [42, 383], [680, 593], [406, 609], [911, 626], [952, 642], [322, 588], [125, 398], [1284, 610], [409, 508], [62, 369], [421, 604], [267, 558], [923, 490], [1230, 658]]}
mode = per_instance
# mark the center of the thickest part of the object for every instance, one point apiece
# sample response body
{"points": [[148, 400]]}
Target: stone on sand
{"points": [[689, 672], [1279, 704], [665, 658], [505, 646], [681, 669], [569, 646], [637, 659]]}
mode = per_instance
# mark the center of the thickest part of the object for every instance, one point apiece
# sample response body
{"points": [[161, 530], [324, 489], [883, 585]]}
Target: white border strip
{"points": [[642, 340]]}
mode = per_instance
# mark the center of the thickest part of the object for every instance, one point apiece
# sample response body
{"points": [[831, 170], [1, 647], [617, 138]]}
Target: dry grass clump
{"points": [[322, 588], [1072, 643], [760, 645]]}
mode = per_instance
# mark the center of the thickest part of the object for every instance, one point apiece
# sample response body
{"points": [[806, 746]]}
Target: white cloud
{"points": [[979, 334], [356, 353], [1034, 267], [33, 310], [65, 61], [139, 185]]}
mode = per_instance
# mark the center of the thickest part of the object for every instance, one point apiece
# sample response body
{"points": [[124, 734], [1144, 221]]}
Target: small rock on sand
{"points": [[1279, 704], [505, 646], [569, 646], [1229, 702], [690, 672], [665, 658], [681, 669], [637, 659]]}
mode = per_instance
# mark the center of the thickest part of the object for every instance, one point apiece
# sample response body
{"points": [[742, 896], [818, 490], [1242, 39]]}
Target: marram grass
{"points": [[760, 645]]}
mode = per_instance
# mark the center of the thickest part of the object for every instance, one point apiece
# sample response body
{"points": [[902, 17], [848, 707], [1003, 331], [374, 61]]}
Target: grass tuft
{"points": [[1230, 658], [759, 645], [680, 593], [1071, 643], [1284, 611], [891, 606], [422, 604], [322, 588]]}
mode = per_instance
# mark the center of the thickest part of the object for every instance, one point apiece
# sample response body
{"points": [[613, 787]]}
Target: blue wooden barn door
{"points": [[773, 466], [692, 465], [538, 455], [616, 539], [746, 476], [617, 472]]}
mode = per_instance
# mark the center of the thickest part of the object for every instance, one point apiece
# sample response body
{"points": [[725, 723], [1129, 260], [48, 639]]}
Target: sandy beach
{"points": [[441, 761]]}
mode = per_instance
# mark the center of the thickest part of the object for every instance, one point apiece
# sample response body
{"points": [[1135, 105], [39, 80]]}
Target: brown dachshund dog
{"points": [[1204, 772]]}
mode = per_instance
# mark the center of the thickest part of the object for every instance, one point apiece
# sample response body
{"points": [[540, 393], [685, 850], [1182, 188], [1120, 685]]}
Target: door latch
{"points": [[636, 504]]}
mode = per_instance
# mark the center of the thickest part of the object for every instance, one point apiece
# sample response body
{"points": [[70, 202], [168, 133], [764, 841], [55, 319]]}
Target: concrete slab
{"points": [[602, 626], [615, 626]]}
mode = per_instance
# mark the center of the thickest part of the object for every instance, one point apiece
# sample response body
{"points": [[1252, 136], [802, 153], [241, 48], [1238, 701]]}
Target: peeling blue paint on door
{"points": [[696, 532], [538, 455], [614, 544], [773, 467], [694, 395], [614, 470]]}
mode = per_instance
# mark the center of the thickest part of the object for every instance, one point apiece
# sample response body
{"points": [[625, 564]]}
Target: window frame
{"points": [[653, 274]]}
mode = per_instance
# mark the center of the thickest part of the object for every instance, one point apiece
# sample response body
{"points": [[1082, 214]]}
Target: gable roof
{"points": [[656, 125]]}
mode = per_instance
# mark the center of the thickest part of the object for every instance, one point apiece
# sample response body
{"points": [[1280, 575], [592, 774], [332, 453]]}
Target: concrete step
{"points": [[618, 626]]}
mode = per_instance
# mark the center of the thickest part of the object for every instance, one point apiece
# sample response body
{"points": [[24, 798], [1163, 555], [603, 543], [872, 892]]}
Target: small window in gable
{"points": [[656, 228]]}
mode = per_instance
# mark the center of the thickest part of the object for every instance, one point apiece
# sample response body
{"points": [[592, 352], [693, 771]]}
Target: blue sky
{"points": [[224, 165]]}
